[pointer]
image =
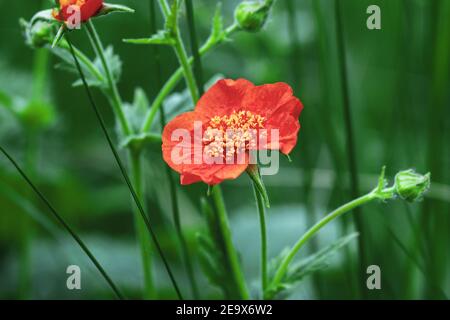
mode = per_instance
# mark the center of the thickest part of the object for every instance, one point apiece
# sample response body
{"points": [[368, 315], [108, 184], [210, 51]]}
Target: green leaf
{"points": [[68, 64], [160, 38], [305, 267], [142, 140], [135, 113], [114, 63], [217, 31], [113, 8]]}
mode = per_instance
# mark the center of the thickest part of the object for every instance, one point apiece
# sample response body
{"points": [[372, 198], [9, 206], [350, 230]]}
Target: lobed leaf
{"points": [[305, 267]]}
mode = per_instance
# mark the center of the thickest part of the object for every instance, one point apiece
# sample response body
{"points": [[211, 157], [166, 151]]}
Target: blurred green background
{"points": [[398, 93]]}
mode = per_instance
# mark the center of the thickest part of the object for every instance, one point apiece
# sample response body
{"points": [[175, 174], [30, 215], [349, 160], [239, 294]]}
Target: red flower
{"points": [[88, 8], [203, 145]]}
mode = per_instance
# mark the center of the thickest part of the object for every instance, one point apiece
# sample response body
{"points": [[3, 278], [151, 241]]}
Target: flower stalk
{"points": [[216, 192], [180, 49], [262, 223], [418, 185]]}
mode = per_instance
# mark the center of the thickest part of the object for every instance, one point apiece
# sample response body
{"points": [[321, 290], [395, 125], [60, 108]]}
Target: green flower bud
{"points": [[252, 15], [410, 185], [38, 34]]}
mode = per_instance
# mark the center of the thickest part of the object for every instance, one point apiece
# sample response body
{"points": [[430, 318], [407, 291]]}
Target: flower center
{"points": [[230, 135]]}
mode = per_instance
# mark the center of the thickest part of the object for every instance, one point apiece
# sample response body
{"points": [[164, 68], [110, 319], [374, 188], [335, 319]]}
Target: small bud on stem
{"points": [[252, 15]]}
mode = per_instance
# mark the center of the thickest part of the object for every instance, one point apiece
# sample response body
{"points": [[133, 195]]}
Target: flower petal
{"points": [[224, 97], [269, 99], [178, 139], [276, 103]]}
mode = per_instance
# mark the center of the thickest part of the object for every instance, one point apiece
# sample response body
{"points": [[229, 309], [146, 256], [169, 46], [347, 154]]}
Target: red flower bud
{"points": [[88, 8]]}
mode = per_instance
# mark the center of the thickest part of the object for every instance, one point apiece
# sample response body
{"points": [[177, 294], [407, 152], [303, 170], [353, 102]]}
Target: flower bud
{"points": [[410, 185], [252, 15], [38, 34]]}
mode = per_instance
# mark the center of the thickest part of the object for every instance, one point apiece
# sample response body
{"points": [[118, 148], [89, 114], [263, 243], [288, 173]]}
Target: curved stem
{"points": [[230, 250], [178, 75], [135, 160], [115, 96], [282, 270], [262, 224]]}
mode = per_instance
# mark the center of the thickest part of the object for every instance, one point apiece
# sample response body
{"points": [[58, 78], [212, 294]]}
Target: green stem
{"points": [[124, 173], [230, 251], [115, 96], [350, 142], [180, 51], [135, 159], [187, 71], [170, 177], [282, 270], [178, 75], [84, 60], [262, 224], [135, 165], [63, 223], [198, 69]]}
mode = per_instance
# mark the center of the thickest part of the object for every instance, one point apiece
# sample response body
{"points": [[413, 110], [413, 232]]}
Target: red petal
{"points": [[175, 153], [276, 103], [88, 9], [268, 99], [224, 97]]}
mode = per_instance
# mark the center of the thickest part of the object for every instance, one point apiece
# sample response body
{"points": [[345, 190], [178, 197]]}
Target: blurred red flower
{"points": [[88, 8], [227, 113]]}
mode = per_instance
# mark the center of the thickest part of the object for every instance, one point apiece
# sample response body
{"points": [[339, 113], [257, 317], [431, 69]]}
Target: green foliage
{"points": [[93, 71], [135, 113], [297, 272], [109, 8], [161, 38]]}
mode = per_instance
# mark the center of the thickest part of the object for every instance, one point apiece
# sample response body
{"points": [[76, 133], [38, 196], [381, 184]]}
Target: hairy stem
{"points": [[282, 270]]}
